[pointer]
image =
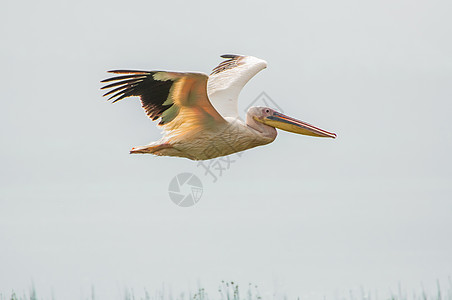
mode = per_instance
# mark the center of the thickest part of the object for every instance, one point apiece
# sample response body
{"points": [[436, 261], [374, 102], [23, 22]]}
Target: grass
{"points": [[231, 291], [226, 291]]}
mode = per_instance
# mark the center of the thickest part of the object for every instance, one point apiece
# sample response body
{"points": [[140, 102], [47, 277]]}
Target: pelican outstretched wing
{"points": [[179, 100], [228, 79]]}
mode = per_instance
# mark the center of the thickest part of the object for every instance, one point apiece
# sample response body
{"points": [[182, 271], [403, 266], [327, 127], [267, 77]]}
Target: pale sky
{"points": [[302, 216]]}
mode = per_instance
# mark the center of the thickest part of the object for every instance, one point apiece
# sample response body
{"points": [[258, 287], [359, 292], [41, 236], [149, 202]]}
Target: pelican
{"points": [[199, 113]]}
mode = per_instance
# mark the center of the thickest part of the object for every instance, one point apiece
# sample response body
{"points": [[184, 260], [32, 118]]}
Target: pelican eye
{"points": [[267, 111]]}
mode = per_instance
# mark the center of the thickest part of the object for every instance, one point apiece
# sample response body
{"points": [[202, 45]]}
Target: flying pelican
{"points": [[199, 113]]}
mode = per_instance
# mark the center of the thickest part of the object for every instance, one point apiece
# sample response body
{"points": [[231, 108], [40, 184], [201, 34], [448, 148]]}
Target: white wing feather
{"points": [[228, 79]]}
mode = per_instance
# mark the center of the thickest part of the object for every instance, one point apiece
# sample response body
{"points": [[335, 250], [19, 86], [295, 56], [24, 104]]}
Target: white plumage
{"points": [[199, 113], [224, 87]]}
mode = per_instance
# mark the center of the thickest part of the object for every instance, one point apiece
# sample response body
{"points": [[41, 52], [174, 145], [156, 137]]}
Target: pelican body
{"points": [[199, 113]]}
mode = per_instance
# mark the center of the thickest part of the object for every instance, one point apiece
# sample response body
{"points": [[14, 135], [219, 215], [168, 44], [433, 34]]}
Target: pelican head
{"points": [[272, 118]]}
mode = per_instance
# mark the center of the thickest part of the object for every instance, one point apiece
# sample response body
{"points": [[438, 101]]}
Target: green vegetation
{"points": [[231, 291]]}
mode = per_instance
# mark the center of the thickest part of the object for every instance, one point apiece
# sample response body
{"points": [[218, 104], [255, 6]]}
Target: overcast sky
{"points": [[302, 216]]}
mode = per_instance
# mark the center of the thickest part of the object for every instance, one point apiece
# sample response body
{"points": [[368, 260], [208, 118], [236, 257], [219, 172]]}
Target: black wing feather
{"points": [[115, 78], [231, 62], [114, 91], [123, 82], [153, 93]]}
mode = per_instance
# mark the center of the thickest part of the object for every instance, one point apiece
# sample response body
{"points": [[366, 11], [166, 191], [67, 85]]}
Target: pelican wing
{"points": [[228, 79], [178, 99]]}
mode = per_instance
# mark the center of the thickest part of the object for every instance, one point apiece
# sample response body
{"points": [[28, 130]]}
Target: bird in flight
{"points": [[199, 113]]}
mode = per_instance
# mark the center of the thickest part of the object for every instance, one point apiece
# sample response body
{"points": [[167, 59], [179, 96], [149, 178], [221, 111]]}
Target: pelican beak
{"points": [[278, 120]]}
